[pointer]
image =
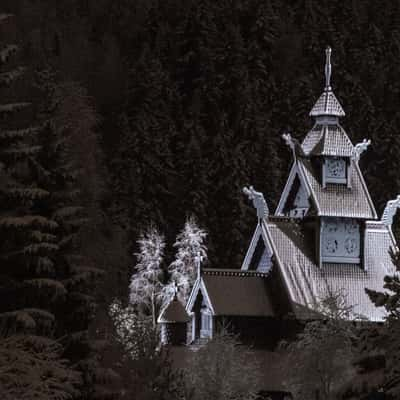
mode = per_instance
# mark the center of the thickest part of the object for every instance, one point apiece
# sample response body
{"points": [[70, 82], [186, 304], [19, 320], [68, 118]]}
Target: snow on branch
{"points": [[146, 287], [190, 245]]}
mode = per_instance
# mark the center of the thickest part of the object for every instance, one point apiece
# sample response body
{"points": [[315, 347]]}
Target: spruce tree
{"points": [[67, 113], [31, 288]]}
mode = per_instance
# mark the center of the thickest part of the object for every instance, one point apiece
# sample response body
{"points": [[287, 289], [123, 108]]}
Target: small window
{"points": [[206, 324], [335, 170], [340, 240]]}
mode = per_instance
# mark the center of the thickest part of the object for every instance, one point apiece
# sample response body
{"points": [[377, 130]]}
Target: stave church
{"points": [[325, 237]]}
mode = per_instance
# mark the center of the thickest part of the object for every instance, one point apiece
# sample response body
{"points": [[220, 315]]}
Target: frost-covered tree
{"points": [[136, 334], [146, 287], [190, 245]]}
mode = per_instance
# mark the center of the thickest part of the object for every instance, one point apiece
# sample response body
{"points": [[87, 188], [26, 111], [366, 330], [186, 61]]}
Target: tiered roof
{"points": [[292, 244]]}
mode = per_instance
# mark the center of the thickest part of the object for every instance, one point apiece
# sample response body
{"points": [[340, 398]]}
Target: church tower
{"points": [[325, 238], [326, 185]]}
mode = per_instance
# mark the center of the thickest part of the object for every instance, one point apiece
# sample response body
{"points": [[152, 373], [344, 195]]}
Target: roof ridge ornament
{"points": [[175, 288], [259, 202], [294, 145], [390, 211], [359, 148], [328, 68], [327, 104], [198, 259]]}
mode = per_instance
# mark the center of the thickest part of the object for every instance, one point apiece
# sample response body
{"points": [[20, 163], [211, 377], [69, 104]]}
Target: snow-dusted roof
{"points": [[307, 283], [338, 200], [328, 140], [327, 104]]}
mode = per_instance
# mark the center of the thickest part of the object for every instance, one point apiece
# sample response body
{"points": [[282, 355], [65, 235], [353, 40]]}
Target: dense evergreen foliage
{"points": [[180, 103], [194, 96]]}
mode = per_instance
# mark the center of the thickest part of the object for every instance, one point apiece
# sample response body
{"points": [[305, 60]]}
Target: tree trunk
{"points": [[153, 310]]}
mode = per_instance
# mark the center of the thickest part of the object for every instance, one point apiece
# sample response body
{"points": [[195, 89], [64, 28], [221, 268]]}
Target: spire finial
{"points": [[198, 261], [175, 290], [328, 68]]}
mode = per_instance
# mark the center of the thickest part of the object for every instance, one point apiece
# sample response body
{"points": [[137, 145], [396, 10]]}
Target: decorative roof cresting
{"points": [[359, 148], [390, 211], [327, 104], [259, 202]]}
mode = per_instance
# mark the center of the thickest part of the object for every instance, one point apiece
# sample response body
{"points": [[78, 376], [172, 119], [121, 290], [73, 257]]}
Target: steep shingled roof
{"points": [[327, 104], [173, 312], [307, 283], [328, 140], [237, 293], [339, 200]]}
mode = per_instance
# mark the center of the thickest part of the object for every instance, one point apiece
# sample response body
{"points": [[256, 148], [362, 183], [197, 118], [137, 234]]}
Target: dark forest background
{"points": [[192, 97], [172, 106]]}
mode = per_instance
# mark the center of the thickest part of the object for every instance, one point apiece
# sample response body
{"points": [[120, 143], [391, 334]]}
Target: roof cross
{"points": [[328, 68]]}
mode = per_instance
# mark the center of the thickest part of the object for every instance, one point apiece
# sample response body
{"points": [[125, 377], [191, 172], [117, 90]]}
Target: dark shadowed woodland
{"points": [[120, 114]]}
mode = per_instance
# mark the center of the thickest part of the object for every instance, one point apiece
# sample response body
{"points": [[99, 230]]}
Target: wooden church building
{"points": [[325, 237]]}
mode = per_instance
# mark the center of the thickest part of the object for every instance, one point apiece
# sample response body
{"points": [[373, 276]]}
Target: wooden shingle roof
{"points": [[328, 140], [307, 283], [173, 312], [237, 293], [327, 104], [339, 200]]}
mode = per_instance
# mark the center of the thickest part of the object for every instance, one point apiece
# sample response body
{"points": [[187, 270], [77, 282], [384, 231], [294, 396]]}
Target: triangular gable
{"points": [[199, 286], [327, 104], [253, 255], [332, 200], [295, 172]]}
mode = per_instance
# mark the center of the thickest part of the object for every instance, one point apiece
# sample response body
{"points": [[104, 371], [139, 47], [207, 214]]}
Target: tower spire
{"points": [[328, 68], [327, 106]]}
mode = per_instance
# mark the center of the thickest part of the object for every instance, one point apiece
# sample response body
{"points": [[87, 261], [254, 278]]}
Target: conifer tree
{"points": [[189, 246], [68, 113], [33, 367], [31, 286], [146, 287]]}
